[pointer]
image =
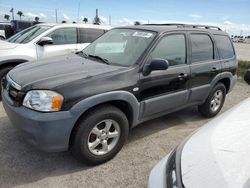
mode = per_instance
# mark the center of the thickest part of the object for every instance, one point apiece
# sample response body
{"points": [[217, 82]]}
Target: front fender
{"points": [[82, 106]]}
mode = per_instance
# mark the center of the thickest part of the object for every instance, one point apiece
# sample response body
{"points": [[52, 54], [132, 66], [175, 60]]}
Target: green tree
{"points": [[20, 14], [85, 20], [137, 23], [7, 17], [37, 19]]}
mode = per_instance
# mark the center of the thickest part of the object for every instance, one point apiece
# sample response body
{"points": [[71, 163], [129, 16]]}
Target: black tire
{"points": [[2, 38], [80, 136], [205, 109], [3, 73]]}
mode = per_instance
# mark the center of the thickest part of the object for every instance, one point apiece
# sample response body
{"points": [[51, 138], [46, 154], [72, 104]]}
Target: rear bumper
{"points": [[46, 131], [233, 81]]}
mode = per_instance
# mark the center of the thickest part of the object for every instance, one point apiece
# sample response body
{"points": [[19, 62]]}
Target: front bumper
{"points": [[158, 175], [46, 131]]}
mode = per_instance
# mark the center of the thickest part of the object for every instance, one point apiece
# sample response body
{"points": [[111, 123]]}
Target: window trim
{"points": [[215, 53], [166, 35], [63, 28]]}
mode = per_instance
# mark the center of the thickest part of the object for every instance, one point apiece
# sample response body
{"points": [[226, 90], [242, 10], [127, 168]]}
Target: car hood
{"points": [[57, 71], [218, 155], [5, 45]]}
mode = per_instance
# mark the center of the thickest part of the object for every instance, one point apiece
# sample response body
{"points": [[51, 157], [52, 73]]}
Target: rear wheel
{"points": [[214, 101], [2, 38], [100, 135]]}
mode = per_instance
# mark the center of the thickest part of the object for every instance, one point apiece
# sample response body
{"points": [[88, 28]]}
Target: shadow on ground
{"points": [[21, 164]]}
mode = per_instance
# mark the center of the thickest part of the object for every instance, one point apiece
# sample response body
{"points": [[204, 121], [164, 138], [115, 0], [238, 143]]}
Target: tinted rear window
{"points": [[88, 35], [224, 46], [202, 48]]}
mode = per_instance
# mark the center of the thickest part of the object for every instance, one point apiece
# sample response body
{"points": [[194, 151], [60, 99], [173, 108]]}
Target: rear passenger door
{"points": [[87, 36], [205, 64], [64, 42]]}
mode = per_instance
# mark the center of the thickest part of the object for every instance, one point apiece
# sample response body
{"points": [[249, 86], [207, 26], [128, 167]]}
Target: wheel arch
{"points": [[11, 62], [123, 100]]}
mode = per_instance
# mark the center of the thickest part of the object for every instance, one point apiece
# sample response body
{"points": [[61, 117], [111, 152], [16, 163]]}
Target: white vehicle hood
{"points": [[218, 155], [4, 45]]}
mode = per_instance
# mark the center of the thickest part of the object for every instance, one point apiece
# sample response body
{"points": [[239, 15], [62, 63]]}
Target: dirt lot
{"points": [[21, 165], [243, 51]]}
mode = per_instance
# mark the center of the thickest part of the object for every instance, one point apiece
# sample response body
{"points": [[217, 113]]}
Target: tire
{"points": [[3, 73], [212, 106], [84, 135], [2, 38]]}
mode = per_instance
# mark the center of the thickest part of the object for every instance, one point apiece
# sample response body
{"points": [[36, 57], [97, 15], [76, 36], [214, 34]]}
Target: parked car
{"points": [[3, 27], [44, 41], [88, 102], [20, 25], [215, 156]]}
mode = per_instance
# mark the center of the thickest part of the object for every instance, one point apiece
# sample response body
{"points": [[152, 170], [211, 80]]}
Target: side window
{"points": [[88, 35], [225, 46], [202, 48], [1, 27], [171, 48], [64, 36]]}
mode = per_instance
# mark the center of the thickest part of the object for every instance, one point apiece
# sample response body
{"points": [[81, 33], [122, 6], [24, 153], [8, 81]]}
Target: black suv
{"points": [[87, 102]]}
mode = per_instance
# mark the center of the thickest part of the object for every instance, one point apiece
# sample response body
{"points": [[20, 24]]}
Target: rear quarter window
{"points": [[88, 35], [224, 46]]}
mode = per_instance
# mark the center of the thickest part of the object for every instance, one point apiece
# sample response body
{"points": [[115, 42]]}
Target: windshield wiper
{"points": [[100, 58], [81, 53]]}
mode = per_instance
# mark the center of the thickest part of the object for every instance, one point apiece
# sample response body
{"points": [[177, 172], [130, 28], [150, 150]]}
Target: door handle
{"points": [[214, 69], [182, 76]]}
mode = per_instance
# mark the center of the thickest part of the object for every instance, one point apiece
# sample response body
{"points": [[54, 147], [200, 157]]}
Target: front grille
{"points": [[13, 90]]}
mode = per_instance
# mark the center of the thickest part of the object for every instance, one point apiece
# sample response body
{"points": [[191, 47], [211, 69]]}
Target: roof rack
{"points": [[188, 26]]}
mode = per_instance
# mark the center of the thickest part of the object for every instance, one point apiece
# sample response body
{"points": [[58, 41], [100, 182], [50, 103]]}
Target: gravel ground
{"points": [[243, 51], [22, 166]]}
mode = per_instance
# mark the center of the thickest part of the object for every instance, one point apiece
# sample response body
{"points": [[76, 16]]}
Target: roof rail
{"points": [[188, 26]]}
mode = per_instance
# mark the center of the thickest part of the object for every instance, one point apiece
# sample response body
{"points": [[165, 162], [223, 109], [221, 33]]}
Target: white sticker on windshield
{"points": [[142, 34]]}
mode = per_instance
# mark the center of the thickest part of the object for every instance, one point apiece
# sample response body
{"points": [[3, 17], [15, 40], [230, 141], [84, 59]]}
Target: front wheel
{"points": [[3, 73], [214, 101], [100, 135]]}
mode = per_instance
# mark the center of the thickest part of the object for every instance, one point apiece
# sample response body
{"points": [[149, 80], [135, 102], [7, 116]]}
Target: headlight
{"points": [[43, 100]]}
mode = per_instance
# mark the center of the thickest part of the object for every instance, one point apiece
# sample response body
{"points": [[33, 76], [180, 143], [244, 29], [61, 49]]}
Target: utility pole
{"points": [[78, 12], [56, 16], [109, 20], [12, 11]]}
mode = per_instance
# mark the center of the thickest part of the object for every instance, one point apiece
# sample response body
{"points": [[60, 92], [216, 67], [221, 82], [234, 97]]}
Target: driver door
{"points": [[64, 42], [166, 90]]}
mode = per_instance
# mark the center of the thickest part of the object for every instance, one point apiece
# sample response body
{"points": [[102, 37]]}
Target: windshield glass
{"points": [[28, 34], [121, 46]]}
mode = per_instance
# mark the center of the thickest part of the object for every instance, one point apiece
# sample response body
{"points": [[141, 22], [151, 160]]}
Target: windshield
{"points": [[28, 34], [121, 46]]}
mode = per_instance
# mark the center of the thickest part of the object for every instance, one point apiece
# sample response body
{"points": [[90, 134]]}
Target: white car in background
{"points": [[2, 30], [216, 156], [46, 40]]}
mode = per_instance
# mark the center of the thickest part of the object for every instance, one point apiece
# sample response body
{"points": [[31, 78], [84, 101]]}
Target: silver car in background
{"points": [[216, 156], [46, 40]]}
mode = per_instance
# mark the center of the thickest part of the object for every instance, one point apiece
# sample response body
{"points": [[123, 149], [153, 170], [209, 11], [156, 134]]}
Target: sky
{"points": [[231, 15]]}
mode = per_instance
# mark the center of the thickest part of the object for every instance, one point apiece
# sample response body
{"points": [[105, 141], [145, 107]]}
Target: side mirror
{"points": [[247, 77], [155, 64], [45, 41]]}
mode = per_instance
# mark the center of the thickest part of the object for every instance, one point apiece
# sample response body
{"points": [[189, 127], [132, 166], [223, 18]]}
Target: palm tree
{"points": [[137, 23], [85, 20], [97, 20], [7, 17], [37, 19], [20, 13]]}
